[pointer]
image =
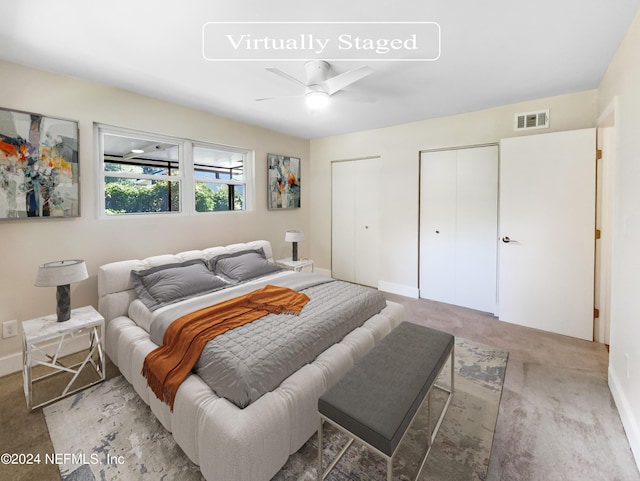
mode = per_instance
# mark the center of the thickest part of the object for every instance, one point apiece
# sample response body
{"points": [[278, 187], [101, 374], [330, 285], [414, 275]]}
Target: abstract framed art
{"points": [[284, 182], [38, 166]]}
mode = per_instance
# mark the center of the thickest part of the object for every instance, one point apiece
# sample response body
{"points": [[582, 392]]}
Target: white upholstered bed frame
{"points": [[229, 443]]}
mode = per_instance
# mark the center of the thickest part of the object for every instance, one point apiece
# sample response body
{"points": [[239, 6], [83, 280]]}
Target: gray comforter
{"points": [[249, 361]]}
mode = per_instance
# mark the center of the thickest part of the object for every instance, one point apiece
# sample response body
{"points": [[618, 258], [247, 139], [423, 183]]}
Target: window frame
{"points": [[186, 177]]}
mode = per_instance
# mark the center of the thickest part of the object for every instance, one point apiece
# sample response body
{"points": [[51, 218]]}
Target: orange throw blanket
{"points": [[167, 366]]}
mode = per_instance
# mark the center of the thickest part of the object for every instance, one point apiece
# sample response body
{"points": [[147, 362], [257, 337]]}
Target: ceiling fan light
{"points": [[317, 100]]}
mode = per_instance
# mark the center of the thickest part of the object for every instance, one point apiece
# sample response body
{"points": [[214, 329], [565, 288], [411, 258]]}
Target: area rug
{"points": [[108, 433]]}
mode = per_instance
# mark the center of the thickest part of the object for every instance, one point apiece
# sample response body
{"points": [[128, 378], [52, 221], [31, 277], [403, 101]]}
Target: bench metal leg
{"points": [[448, 401], [432, 434], [320, 473], [323, 474]]}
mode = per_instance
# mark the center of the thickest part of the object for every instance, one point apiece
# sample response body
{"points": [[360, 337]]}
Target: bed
{"points": [[231, 440]]}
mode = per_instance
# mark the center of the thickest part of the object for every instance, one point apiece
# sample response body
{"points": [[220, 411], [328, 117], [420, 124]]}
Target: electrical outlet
{"points": [[9, 329]]}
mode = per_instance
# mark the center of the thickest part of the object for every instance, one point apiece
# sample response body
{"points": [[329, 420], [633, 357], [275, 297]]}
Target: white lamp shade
{"points": [[294, 236], [61, 273]]}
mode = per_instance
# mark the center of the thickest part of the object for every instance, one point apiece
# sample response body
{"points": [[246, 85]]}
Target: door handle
{"points": [[507, 240]]}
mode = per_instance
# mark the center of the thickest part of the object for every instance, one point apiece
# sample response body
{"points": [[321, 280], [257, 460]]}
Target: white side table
{"points": [[43, 341], [300, 265]]}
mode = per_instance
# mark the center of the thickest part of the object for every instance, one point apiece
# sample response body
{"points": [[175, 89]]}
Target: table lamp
{"points": [[294, 236], [61, 274]]}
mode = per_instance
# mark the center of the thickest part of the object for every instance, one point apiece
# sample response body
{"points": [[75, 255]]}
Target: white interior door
{"points": [[547, 217]]}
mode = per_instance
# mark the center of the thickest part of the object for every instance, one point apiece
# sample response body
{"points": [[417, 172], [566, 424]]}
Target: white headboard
{"points": [[115, 289]]}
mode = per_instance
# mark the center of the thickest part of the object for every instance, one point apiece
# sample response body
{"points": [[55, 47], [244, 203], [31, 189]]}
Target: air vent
{"points": [[532, 120]]}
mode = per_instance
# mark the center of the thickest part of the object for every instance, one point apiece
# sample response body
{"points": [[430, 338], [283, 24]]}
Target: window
{"points": [[219, 177], [149, 174], [141, 175]]}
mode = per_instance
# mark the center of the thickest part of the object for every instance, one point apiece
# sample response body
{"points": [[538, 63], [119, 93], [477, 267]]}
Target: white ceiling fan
{"points": [[319, 87]]}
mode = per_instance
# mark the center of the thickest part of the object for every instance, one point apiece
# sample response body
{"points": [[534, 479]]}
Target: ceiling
{"points": [[492, 52]]}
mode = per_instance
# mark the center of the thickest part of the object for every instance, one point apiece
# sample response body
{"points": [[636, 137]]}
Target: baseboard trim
{"points": [[322, 272], [629, 421], [10, 364], [399, 289], [13, 362]]}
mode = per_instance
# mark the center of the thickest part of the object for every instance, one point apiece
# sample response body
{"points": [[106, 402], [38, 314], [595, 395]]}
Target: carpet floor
{"points": [[126, 442], [557, 419]]}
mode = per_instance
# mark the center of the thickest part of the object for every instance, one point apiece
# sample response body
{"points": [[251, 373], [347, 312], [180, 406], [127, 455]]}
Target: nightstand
{"points": [[300, 265], [45, 341]]}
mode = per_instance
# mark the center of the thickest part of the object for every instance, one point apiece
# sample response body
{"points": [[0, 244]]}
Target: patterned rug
{"points": [[108, 433]]}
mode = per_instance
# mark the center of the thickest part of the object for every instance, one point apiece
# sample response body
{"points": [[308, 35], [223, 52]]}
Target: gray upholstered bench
{"points": [[376, 401]]}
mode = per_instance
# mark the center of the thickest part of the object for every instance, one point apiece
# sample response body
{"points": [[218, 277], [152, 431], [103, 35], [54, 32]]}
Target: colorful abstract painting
{"points": [[284, 182], [38, 166]]}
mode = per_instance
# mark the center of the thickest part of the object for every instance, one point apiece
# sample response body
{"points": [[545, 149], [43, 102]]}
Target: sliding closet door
{"points": [[355, 230], [458, 226]]}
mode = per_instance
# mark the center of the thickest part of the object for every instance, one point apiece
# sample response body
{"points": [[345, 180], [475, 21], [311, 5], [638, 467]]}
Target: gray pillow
{"points": [[166, 284], [243, 265]]}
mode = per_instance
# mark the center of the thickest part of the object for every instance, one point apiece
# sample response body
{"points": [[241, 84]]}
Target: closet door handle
{"points": [[507, 240]]}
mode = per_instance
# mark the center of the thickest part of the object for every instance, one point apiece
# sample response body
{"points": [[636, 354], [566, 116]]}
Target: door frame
{"points": [[607, 142]]}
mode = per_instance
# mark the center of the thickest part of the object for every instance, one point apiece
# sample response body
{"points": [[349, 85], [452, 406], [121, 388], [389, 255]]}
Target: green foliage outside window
{"points": [[125, 197], [122, 197], [208, 200]]}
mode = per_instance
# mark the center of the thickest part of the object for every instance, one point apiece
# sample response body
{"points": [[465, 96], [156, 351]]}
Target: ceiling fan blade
{"points": [[333, 84], [280, 97], [353, 96], [286, 76]]}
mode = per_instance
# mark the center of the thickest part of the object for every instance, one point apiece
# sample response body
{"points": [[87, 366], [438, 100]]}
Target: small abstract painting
{"points": [[284, 182], [38, 166]]}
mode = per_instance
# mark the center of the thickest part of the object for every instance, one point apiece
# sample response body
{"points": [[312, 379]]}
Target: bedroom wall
{"points": [[621, 82], [27, 243], [399, 147]]}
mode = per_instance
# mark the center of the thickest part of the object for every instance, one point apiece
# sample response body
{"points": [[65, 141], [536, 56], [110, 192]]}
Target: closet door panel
{"points": [[343, 212], [477, 228], [438, 185], [368, 190]]}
